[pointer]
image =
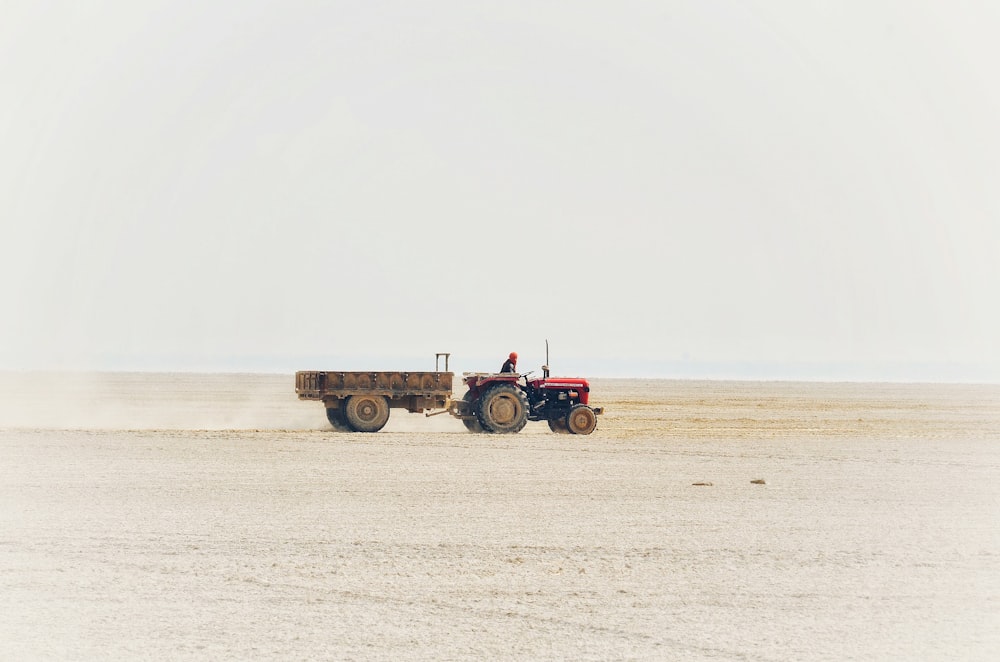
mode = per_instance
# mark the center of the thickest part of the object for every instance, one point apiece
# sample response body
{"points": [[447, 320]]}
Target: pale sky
{"points": [[742, 188]]}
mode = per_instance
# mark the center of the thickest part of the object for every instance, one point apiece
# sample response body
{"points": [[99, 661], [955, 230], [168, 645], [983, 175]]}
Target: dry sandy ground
{"points": [[214, 517]]}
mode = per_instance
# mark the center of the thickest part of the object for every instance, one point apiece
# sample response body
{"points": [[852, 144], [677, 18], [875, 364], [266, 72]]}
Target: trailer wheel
{"points": [[502, 409], [337, 420], [366, 413], [558, 425], [471, 424], [581, 420]]}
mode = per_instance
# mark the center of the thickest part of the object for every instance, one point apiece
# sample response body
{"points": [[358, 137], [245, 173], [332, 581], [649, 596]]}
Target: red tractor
{"points": [[505, 402]]}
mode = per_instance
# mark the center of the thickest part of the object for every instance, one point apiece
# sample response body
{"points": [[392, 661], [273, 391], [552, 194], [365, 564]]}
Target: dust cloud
{"points": [[141, 401]]}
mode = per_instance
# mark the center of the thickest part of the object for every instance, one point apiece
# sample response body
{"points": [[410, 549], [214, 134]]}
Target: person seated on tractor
{"points": [[510, 365]]}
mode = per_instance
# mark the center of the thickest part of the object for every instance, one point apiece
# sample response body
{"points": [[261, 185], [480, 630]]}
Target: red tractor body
{"points": [[505, 402], [576, 389]]}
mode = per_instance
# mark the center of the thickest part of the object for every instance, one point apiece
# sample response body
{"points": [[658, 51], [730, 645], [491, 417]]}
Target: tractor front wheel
{"points": [[581, 420], [502, 409], [366, 413]]}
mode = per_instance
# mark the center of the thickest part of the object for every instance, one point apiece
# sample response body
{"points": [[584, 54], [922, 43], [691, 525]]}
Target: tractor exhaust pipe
{"points": [[545, 368]]}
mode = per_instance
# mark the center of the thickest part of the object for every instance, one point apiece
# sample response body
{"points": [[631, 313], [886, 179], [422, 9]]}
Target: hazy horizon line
{"points": [[682, 369]]}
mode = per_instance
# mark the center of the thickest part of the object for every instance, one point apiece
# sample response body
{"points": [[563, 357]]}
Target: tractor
{"points": [[505, 402]]}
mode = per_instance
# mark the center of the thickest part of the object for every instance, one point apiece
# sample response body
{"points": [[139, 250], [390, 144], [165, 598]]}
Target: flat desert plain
{"points": [[183, 516]]}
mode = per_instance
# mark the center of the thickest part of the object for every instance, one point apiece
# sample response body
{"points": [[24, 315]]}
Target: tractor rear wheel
{"points": [[581, 420], [337, 420], [558, 425], [502, 409], [366, 413]]}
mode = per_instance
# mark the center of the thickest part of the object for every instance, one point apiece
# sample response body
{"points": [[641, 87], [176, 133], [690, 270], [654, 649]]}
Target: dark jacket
{"points": [[509, 366]]}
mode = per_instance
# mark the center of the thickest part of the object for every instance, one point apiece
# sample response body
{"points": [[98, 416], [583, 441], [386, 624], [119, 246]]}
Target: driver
{"points": [[510, 365]]}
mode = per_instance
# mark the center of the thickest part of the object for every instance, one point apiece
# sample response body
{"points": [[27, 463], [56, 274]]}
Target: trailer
{"points": [[360, 401]]}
